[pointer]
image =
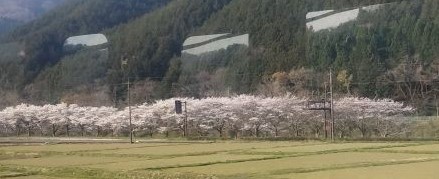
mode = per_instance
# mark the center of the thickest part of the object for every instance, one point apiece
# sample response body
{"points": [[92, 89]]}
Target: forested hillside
{"points": [[18, 12], [391, 52], [7, 25], [41, 41]]}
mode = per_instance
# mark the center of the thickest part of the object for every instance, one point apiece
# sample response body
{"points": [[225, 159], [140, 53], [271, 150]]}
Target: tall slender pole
{"points": [[326, 119], [332, 105], [115, 97], [127, 74], [129, 109], [437, 108], [185, 119]]}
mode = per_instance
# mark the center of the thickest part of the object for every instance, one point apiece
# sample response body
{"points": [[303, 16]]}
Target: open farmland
{"points": [[240, 159]]}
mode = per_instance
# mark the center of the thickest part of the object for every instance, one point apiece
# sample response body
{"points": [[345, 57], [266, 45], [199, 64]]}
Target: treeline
{"points": [[392, 52]]}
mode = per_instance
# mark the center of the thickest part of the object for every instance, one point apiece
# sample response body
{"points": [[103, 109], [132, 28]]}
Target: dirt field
{"points": [[180, 159]]}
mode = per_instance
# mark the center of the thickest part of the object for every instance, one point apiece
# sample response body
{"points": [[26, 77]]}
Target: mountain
{"points": [[6, 25], [26, 10], [368, 54], [16, 12]]}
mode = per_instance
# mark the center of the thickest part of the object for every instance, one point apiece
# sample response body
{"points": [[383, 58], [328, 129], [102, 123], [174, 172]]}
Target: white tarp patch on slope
{"points": [[317, 14], [219, 44], [333, 21], [337, 19], [87, 40], [200, 39]]}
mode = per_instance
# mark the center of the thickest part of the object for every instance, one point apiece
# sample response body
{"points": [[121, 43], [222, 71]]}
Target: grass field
{"points": [[239, 159]]}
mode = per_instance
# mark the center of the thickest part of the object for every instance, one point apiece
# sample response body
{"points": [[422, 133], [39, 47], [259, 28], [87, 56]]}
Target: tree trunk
{"points": [[220, 131], [82, 130], [67, 130], [28, 130], [363, 132], [17, 127], [184, 131], [41, 131], [53, 130], [236, 134]]}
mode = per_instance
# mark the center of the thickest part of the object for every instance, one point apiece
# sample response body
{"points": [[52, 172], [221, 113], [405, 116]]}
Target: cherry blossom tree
{"points": [[213, 116], [364, 112]]}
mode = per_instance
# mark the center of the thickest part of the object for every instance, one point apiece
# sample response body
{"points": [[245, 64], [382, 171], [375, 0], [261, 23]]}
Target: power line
{"points": [[147, 77], [259, 75]]}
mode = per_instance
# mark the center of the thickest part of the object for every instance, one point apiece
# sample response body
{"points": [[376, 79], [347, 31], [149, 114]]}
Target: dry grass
{"points": [[324, 147], [422, 148], [36, 177], [294, 163], [174, 162], [424, 170], [79, 147], [63, 161], [223, 159], [204, 148]]}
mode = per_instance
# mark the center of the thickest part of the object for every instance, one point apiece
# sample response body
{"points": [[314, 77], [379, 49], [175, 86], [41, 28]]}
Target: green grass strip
{"points": [[212, 163], [274, 156], [363, 149]]}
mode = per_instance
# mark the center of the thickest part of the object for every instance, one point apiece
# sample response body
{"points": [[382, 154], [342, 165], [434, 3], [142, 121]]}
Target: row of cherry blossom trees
{"points": [[232, 117]]}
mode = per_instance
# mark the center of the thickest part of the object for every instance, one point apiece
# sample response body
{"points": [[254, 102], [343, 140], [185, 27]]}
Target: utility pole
{"points": [[326, 119], [437, 108], [332, 105], [129, 109], [115, 96], [125, 62], [185, 119]]}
